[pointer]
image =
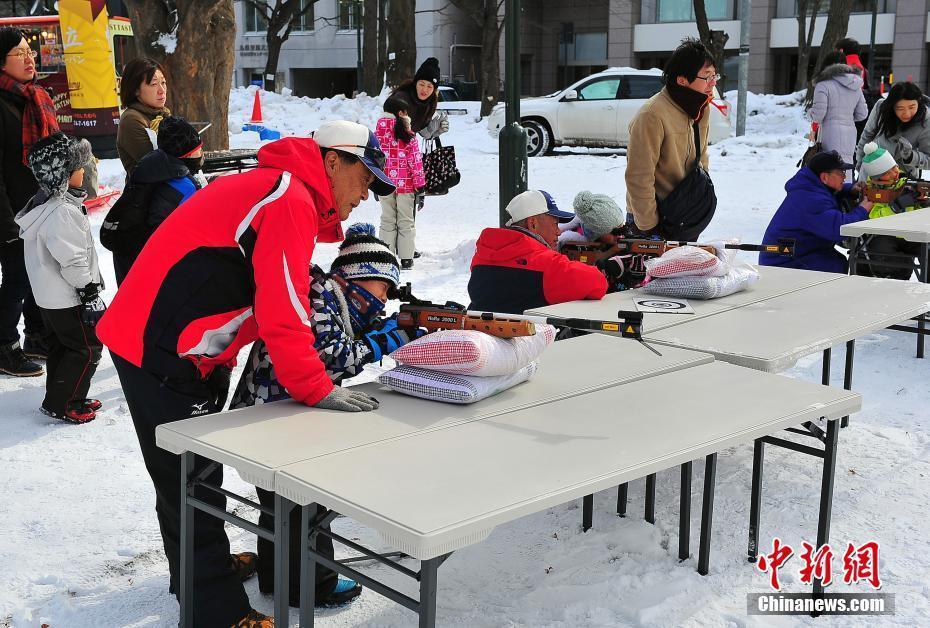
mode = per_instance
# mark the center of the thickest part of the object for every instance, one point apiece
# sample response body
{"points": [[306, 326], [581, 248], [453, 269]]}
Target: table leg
{"points": [[825, 374], [684, 514], [922, 275], [651, 498], [187, 544], [282, 536], [826, 492], [707, 513], [622, 492], [848, 373], [587, 512], [755, 500], [428, 589], [307, 568]]}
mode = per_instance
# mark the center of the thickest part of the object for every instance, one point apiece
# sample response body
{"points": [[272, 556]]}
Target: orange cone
{"points": [[257, 109]]}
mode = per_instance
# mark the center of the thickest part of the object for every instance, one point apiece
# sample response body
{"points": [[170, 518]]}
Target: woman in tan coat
{"points": [[143, 92]]}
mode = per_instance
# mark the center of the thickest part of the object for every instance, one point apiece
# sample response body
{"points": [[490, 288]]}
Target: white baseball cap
{"points": [[534, 203], [356, 139]]}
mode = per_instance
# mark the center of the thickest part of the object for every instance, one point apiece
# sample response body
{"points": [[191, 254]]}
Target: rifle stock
{"points": [[431, 316]]}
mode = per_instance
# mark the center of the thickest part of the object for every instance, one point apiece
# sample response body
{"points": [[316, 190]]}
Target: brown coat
{"points": [[132, 140], [660, 154]]}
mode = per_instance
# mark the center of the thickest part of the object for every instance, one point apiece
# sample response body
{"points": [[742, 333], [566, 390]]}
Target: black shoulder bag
{"points": [[688, 209]]}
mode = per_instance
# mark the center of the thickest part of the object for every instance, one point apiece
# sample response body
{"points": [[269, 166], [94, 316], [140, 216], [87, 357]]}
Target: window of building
{"points": [[255, 21], [603, 89], [789, 8], [305, 23], [683, 10], [347, 14]]}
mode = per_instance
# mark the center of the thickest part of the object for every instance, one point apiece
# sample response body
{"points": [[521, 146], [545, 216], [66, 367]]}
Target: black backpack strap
{"points": [[697, 142]]}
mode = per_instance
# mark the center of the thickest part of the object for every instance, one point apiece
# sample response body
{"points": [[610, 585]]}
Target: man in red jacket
{"points": [[516, 268], [230, 265]]}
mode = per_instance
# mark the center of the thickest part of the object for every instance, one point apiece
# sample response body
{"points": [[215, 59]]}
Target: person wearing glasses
{"points": [[27, 115], [230, 266], [663, 148], [819, 202], [838, 105]]}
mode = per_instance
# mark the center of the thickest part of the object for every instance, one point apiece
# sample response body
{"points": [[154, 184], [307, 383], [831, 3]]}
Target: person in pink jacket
{"points": [[404, 166]]}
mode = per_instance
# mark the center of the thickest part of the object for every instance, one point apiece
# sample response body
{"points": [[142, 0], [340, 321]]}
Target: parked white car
{"points": [[596, 111]]}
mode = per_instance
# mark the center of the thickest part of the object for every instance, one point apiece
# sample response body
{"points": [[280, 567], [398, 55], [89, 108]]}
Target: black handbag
{"points": [[439, 168], [689, 208]]}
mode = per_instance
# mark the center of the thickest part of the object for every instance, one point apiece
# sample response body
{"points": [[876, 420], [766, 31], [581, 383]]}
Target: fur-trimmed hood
{"points": [[846, 75]]}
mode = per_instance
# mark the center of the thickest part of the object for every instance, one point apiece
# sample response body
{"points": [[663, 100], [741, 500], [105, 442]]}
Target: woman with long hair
{"points": [[838, 104], [899, 124]]}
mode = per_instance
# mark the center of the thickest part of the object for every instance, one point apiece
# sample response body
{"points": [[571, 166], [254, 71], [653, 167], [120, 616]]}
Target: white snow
{"points": [[80, 545]]}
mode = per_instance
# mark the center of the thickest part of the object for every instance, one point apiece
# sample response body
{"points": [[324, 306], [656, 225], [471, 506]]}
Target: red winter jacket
{"points": [[513, 271], [230, 265]]}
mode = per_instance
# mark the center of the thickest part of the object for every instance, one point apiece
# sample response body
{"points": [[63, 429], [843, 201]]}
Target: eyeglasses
{"points": [[713, 78], [24, 54], [373, 154]]}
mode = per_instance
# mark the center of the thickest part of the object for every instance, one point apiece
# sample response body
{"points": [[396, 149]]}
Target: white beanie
{"points": [[876, 161]]}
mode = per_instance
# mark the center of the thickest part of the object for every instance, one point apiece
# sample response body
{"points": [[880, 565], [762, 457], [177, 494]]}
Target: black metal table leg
{"points": [[684, 524], [428, 589], [282, 535], [622, 492], [922, 275], [707, 513], [187, 543], [587, 512], [825, 374], [853, 254], [755, 500], [848, 373], [826, 491], [651, 498], [307, 568]]}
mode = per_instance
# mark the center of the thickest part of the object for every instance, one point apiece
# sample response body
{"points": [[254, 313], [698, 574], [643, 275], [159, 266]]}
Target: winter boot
{"points": [[244, 564], [91, 404], [406, 264], [416, 255], [34, 347], [14, 362], [346, 590], [254, 619], [76, 413]]}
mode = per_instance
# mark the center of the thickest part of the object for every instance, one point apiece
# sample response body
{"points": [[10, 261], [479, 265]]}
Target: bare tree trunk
{"points": [[200, 67], [837, 23], [401, 42], [491, 29], [382, 41], [373, 78], [806, 8], [715, 41]]}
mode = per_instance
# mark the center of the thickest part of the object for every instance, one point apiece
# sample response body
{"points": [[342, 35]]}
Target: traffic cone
{"points": [[257, 109]]}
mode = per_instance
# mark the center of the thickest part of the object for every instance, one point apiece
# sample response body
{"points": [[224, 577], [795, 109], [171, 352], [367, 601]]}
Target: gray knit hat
{"points": [[52, 160], [599, 214], [364, 256]]}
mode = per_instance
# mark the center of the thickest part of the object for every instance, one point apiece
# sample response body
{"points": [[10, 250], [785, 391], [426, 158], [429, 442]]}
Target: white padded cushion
{"points": [[739, 278], [684, 261], [436, 386], [469, 352]]}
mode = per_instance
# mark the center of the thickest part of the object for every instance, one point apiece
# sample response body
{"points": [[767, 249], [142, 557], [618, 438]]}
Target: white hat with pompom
{"points": [[876, 161]]}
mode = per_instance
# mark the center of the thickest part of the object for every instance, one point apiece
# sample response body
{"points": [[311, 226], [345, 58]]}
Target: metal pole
{"points": [[872, 39], [745, 9], [512, 141], [358, 46]]}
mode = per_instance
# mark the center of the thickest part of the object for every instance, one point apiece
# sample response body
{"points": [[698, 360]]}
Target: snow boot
{"points": [[14, 362], [406, 264], [346, 590], [76, 413], [34, 347], [254, 619], [91, 404], [244, 564]]}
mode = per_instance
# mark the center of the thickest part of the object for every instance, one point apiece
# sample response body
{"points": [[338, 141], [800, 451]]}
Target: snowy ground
{"points": [[80, 545]]}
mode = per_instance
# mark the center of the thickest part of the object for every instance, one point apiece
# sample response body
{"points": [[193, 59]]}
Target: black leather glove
{"points": [[92, 306]]}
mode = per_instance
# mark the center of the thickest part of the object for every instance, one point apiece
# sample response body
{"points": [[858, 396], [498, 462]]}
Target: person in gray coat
{"points": [[62, 265], [899, 124], [838, 104]]}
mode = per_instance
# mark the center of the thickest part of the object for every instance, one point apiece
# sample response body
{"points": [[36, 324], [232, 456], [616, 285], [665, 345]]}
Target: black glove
{"points": [[904, 200], [92, 306], [419, 197]]}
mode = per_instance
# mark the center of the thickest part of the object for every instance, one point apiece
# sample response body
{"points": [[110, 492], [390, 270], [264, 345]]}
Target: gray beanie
{"points": [[52, 160], [599, 214]]}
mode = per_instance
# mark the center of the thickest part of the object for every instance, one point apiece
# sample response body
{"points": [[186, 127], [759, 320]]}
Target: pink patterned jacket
{"points": [[404, 164]]}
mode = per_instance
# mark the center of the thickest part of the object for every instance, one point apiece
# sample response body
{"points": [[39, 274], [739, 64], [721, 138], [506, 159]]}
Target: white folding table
{"points": [[911, 226], [432, 493], [260, 440]]}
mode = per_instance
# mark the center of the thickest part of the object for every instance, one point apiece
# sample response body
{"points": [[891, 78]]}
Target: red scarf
{"points": [[39, 119]]}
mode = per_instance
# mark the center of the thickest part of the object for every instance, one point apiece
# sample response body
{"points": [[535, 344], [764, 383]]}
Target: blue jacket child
{"points": [[812, 213]]}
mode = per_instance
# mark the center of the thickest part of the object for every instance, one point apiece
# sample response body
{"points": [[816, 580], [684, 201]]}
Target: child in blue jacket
{"points": [[816, 207]]}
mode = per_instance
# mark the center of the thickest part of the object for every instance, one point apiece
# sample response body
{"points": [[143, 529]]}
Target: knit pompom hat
{"points": [[876, 161], [364, 256], [599, 214], [52, 160]]}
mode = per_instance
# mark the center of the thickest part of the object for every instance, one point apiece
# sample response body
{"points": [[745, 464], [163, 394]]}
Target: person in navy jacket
{"points": [[516, 267], [816, 207]]}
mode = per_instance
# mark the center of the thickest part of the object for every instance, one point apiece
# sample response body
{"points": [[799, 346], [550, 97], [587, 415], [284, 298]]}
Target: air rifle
{"points": [[431, 316], [882, 193], [629, 324], [593, 252]]}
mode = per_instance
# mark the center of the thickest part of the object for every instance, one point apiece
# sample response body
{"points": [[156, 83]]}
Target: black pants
{"points": [[219, 597], [73, 354], [15, 295], [122, 262], [325, 578], [878, 247]]}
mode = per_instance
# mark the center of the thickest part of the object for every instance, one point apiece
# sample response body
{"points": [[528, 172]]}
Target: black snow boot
{"points": [[34, 347], [14, 362]]}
